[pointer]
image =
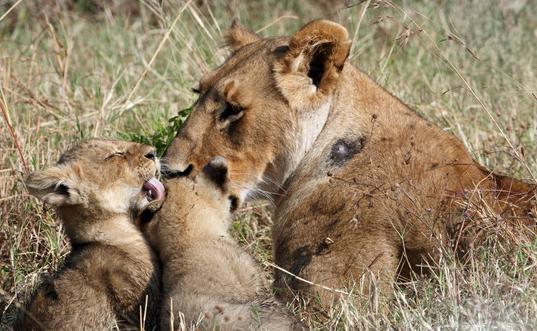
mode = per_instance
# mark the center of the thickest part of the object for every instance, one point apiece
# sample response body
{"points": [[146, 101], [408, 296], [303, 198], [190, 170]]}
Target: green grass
{"points": [[163, 132], [468, 66]]}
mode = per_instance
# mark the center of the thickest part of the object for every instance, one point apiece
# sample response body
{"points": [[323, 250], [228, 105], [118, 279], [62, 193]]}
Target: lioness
{"points": [[111, 276], [206, 275], [364, 188]]}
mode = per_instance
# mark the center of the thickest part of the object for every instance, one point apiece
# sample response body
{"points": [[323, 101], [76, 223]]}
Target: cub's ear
{"points": [[238, 36], [56, 186], [313, 61], [216, 172]]}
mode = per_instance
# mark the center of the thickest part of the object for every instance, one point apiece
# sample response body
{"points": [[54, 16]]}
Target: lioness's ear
{"points": [[314, 59], [56, 186], [238, 36]]}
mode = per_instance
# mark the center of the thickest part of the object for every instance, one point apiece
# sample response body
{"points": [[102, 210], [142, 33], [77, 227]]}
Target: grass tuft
{"points": [[163, 133]]}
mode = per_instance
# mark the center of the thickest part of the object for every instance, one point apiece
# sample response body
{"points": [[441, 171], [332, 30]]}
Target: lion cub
{"points": [[206, 275], [98, 188]]}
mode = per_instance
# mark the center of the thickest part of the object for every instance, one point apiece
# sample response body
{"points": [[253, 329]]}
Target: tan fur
{"points": [[364, 188], [237, 36], [111, 270], [206, 275]]}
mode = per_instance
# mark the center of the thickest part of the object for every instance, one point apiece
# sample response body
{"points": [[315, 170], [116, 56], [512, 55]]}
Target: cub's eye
{"points": [[196, 90], [230, 113], [120, 154]]}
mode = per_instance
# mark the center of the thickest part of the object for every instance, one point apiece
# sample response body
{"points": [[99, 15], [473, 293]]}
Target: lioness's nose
{"points": [[177, 159], [172, 171], [186, 171]]}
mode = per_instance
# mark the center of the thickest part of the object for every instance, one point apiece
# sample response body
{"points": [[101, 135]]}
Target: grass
{"points": [[75, 71]]}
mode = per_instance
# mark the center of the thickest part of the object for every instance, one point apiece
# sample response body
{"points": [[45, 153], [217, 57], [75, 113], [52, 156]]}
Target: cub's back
{"points": [[93, 275]]}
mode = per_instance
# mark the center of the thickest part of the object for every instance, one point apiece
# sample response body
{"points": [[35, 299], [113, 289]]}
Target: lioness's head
{"points": [[194, 207], [264, 107], [97, 180]]}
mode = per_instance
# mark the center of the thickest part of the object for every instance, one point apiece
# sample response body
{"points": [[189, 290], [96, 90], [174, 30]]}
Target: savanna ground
{"points": [[76, 69]]}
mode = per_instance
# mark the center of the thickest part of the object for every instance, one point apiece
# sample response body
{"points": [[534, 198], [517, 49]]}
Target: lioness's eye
{"points": [[196, 90], [120, 154], [230, 112]]}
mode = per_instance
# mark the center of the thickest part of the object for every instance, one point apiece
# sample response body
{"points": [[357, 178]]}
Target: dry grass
{"points": [[69, 72]]}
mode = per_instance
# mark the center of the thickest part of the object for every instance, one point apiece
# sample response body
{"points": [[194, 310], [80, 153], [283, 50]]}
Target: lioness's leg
{"points": [[361, 268]]}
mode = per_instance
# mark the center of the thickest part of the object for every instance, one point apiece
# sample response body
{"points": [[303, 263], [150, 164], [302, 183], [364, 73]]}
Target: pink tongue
{"points": [[155, 187]]}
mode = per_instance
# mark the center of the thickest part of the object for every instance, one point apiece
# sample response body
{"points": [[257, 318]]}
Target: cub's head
{"points": [[194, 207], [99, 179], [263, 108]]}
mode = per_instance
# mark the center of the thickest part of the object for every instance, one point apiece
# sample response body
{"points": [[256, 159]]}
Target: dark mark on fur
{"points": [[344, 150], [301, 258], [50, 292], [324, 247]]}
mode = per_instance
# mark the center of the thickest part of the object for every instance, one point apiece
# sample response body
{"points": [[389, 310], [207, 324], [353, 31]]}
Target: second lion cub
{"points": [[206, 275], [111, 278]]}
